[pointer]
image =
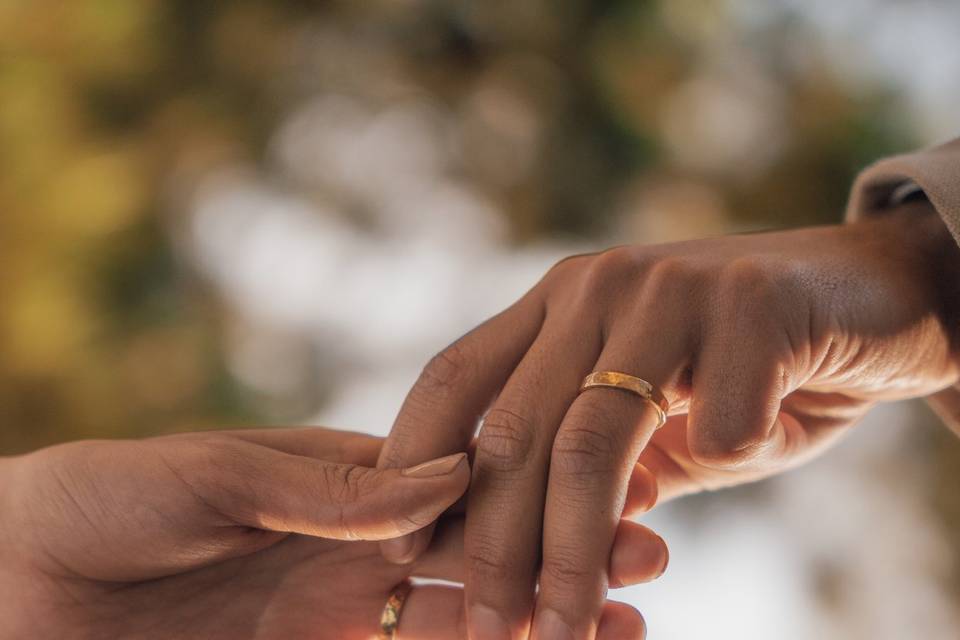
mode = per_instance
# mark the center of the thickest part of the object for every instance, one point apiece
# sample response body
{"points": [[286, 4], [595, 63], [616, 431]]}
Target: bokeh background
{"points": [[273, 212]]}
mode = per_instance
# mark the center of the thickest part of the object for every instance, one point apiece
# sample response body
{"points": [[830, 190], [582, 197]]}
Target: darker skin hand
{"points": [[768, 346]]}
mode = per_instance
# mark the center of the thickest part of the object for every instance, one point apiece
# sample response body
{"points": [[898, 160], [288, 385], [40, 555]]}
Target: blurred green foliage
{"points": [[104, 331]]}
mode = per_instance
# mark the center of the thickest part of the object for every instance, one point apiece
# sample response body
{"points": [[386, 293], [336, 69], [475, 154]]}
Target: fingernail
{"points": [[550, 626], [397, 550], [486, 624], [433, 468]]}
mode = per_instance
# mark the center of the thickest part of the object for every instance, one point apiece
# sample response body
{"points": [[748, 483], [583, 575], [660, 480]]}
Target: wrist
{"points": [[931, 264], [915, 241], [938, 255]]}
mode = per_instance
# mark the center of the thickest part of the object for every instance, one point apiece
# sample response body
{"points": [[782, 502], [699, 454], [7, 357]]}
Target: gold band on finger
{"points": [[638, 386], [390, 618]]}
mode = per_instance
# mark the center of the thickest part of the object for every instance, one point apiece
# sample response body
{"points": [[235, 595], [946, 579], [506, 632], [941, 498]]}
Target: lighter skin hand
{"points": [[241, 535], [768, 346]]}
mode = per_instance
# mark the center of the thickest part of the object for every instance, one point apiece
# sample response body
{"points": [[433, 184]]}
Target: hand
{"points": [[192, 536], [768, 347], [239, 535]]}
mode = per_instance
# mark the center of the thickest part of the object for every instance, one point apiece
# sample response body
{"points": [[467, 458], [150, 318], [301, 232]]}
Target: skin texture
{"points": [[769, 346], [256, 534]]}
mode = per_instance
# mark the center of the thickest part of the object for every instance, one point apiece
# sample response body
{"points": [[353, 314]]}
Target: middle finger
{"points": [[505, 513]]}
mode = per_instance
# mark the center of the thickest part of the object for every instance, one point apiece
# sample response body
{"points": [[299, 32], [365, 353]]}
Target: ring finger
{"points": [[594, 454]]}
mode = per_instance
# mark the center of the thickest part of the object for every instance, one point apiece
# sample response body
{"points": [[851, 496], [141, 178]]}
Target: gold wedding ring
{"points": [[640, 387], [390, 618]]}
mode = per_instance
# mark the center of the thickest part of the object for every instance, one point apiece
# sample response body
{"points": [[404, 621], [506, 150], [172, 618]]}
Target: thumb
{"points": [[267, 489], [379, 504], [735, 402]]}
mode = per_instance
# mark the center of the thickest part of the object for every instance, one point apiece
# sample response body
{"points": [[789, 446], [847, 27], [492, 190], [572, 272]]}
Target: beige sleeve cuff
{"points": [[934, 173]]}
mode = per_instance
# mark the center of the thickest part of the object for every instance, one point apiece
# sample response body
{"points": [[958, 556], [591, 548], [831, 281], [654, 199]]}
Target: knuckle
{"points": [[350, 484], [616, 260], [562, 278], [600, 277], [585, 451], [755, 278], [668, 275], [447, 374], [568, 266], [345, 490], [346, 483], [725, 452], [564, 568], [487, 564], [506, 441], [758, 293], [611, 266], [448, 370]]}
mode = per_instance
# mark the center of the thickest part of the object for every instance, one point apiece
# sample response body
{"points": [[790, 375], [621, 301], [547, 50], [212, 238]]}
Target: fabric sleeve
{"points": [[934, 171], [933, 174]]}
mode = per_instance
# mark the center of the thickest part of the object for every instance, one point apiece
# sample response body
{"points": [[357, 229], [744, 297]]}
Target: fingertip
{"points": [[419, 543], [642, 492], [398, 508], [742, 450], [422, 493], [620, 621], [639, 555], [398, 550]]}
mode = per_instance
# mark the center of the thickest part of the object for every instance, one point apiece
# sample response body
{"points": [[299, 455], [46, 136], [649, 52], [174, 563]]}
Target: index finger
{"points": [[441, 412]]}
